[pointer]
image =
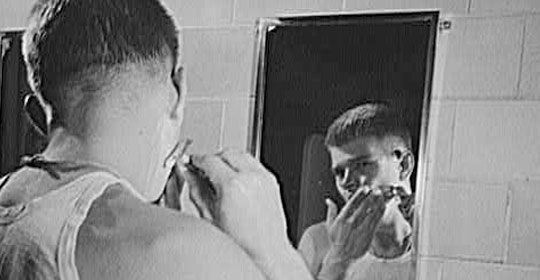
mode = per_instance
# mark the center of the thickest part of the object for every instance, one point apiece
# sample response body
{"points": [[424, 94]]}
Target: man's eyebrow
{"points": [[358, 158], [351, 160]]}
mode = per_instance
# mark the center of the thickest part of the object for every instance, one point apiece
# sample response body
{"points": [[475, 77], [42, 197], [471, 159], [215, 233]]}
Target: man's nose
{"points": [[353, 179]]}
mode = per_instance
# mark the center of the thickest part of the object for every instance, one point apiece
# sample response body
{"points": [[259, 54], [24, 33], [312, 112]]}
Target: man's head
{"points": [[108, 69], [86, 44], [370, 146]]}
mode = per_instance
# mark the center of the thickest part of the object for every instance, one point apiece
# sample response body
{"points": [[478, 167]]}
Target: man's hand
{"points": [[351, 231], [241, 198], [173, 188]]}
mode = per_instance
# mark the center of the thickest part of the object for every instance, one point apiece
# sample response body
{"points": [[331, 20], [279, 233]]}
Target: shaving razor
{"points": [[390, 192], [186, 163]]}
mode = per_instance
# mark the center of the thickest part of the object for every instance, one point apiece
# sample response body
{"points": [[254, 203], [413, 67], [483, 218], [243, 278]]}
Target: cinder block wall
{"points": [[481, 215]]}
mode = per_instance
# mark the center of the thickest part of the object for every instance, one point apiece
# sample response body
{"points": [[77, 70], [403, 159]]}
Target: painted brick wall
{"points": [[481, 215]]}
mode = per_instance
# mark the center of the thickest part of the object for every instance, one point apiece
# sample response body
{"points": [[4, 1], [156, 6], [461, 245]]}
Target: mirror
{"points": [[312, 69]]}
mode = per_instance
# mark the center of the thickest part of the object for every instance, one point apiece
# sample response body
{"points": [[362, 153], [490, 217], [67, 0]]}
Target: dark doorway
{"points": [[17, 136]]}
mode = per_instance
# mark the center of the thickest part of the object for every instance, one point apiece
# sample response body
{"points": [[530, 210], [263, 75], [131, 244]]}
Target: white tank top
{"points": [[371, 267], [38, 239]]}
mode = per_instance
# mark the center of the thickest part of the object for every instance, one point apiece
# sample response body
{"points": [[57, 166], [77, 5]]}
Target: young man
{"points": [[108, 92], [370, 151]]}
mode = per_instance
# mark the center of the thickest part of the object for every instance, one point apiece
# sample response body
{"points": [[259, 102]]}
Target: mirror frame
{"points": [[432, 86]]}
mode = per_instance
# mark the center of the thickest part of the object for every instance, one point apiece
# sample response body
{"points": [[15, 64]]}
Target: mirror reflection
{"points": [[340, 118]]}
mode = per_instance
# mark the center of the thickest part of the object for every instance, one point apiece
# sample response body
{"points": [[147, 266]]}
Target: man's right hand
{"points": [[245, 201], [351, 230]]}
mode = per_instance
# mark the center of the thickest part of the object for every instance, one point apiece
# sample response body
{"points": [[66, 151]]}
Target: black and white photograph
{"points": [[270, 139]]}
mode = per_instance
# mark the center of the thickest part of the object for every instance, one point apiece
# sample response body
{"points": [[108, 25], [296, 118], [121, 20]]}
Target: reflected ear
{"points": [[406, 163]]}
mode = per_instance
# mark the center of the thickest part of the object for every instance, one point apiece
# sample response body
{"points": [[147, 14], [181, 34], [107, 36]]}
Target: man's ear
{"points": [[39, 112], [179, 82], [406, 164]]}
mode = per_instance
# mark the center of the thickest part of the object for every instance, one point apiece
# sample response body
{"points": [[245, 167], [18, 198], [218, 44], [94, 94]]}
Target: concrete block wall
{"points": [[481, 214]]}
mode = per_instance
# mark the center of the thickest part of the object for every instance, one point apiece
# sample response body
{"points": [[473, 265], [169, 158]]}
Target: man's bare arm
{"points": [[201, 252]]}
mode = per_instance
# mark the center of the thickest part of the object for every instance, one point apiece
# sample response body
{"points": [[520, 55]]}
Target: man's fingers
{"points": [[354, 203], [213, 167], [371, 213], [199, 195], [173, 188], [368, 227], [331, 212], [374, 203], [373, 219], [241, 161]]}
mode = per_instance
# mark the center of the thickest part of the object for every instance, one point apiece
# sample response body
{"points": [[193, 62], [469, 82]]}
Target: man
{"points": [[370, 152], [109, 94]]}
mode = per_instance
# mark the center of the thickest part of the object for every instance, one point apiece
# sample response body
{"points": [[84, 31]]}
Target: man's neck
{"points": [[64, 146]]}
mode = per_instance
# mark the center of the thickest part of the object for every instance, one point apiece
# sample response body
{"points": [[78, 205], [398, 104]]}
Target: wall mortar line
{"points": [[521, 56], [507, 222]]}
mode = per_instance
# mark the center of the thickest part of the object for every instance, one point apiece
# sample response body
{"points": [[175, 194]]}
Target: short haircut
{"points": [[376, 119], [70, 39]]}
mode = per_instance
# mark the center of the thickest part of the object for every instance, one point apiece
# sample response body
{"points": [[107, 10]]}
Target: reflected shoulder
{"points": [[317, 236], [316, 230]]}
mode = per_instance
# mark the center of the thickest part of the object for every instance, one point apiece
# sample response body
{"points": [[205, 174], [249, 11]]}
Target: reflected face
{"points": [[365, 162], [369, 162]]}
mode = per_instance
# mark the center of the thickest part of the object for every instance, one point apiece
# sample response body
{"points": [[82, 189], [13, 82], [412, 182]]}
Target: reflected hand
{"points": [[351, 231]]}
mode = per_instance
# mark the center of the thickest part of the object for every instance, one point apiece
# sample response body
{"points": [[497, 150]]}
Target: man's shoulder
{"points": [[315, 236], [127, 238], [118, 212]]}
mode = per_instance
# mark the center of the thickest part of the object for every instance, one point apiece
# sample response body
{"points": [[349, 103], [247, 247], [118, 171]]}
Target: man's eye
{"points": [[338, 172], [364, 164]]}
